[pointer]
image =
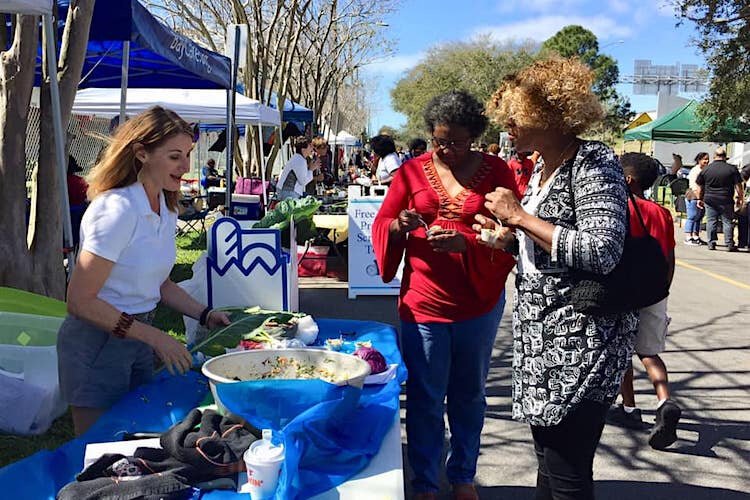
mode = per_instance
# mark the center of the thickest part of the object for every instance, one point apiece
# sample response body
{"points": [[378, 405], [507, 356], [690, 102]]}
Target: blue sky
{"points": [[627, 30]]}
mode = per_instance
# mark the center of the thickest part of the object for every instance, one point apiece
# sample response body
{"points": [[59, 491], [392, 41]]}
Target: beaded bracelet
{"points": [[124, 323], [204, 316]]}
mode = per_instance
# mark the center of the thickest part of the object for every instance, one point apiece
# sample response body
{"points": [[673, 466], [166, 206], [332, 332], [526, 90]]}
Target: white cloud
{"points": [[541, 28], [395, 65]]}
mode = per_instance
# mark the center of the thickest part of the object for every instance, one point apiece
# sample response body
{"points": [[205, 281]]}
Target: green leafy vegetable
{"points": [[251, 323], [301, 210]]}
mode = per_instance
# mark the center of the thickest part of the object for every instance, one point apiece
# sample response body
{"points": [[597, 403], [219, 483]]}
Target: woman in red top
{"points": [[452, 288]]}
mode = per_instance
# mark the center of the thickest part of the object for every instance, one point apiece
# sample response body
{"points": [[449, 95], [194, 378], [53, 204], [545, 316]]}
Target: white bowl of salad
{"points": [[285, 364]]}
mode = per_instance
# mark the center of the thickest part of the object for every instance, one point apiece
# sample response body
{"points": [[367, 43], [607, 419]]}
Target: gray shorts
{"points": [[96, 368], [652, 329]]}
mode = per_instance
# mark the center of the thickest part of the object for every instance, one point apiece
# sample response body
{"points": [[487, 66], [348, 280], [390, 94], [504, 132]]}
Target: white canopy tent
{"points": [[343, 138], [193, 105], [208, 106], [44, 9]]}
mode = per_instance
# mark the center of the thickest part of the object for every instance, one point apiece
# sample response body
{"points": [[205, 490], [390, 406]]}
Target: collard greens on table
{"points": [[247, 324], [301, 210]]}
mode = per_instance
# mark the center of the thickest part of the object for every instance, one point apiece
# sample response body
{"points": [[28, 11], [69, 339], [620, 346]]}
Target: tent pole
{"points": [[124, 80], [228, 171], [263, 166], [59, 139], [230, 116]]}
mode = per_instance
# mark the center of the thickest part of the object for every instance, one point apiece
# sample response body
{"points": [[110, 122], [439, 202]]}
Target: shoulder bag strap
{"points": [[637, 211]]}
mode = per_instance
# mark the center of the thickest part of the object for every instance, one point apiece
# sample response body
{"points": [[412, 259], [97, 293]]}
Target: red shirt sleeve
{"points": [[389, 251]]}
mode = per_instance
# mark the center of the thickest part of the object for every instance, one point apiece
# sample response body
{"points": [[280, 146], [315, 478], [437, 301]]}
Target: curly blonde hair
{"points": [[553, 93]]}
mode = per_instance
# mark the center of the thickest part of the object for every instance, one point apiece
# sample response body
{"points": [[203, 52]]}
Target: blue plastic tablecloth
{"points": [[156, 407]]}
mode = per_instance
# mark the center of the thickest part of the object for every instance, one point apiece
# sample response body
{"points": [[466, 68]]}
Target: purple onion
{"points": [[373, 358]]}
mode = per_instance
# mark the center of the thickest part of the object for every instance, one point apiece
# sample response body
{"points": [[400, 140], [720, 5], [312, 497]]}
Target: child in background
{"points": [[641, 170]]}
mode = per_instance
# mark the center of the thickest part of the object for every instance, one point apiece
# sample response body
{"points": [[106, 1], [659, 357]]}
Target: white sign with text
{"points": [[364, 275]]}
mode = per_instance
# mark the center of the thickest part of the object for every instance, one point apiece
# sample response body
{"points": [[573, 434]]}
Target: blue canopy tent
{"points": [[123, 33], [293, 112], [129, 47]]}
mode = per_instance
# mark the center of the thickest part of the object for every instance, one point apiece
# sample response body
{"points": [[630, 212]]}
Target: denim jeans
{"points": [[726, 213], [743, 227], [453, 360], [694, 217]]}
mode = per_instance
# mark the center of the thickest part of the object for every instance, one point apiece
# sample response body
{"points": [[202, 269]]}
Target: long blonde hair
{"points": [[118, 165]]}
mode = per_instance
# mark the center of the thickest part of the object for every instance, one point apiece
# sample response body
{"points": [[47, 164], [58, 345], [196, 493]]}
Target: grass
{"points": [[14, 448]]}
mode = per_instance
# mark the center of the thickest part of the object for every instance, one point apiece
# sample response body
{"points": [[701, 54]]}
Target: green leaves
{"points": [[301, 210], [476, 67], [251, 323]]}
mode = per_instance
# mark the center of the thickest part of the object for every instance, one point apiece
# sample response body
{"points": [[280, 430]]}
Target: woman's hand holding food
{"points": [[492, 234], [216, 319], [407, 221], [446, 240], [504, 205]]}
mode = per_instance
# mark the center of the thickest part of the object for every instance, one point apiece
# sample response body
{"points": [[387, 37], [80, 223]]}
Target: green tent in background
{"points": [[684, 125]]}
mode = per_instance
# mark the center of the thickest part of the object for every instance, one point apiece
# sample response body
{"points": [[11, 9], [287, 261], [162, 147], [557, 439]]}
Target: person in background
{"points": [[694, 213], [678, 169], [493, 149], [640, 170], [324, 157], [77, 186], [452, 290], [743, 214], [401, 154], [522, 167], [298, 172], [568, 363], [717, 185], [417, 147], [387, 160], [209, 174], [106, 344]]}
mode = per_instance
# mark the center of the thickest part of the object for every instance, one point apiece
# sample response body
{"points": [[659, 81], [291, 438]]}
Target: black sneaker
{"points": [[664, 432], [700, 241], [618, 416], [711, 245], [731, 248]]}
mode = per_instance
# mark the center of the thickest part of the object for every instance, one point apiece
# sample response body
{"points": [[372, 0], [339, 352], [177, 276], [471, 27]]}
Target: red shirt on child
{"points": [[658, 222]]}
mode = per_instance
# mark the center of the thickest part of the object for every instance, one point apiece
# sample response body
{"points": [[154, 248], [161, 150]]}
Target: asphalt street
{"points": [[708, 360]]}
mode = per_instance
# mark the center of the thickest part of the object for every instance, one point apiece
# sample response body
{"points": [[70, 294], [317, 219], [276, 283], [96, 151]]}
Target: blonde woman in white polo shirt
{"points": [[106, 345]]}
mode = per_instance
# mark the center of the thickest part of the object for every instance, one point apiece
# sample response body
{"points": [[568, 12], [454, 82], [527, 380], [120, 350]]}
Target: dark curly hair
{"points": [[456, 108], [382, 145], [641, 166]]}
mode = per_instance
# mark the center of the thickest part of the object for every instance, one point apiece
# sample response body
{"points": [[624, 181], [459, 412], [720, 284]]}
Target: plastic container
{"points": [[263, 462], [245, 207], [30, 392]]}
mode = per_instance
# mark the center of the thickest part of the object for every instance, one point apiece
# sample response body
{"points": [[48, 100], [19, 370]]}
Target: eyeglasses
{"points": [[446, 144]]}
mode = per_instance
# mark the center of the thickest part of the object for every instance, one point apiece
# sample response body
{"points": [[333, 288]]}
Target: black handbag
{"points": [[640, 279]]}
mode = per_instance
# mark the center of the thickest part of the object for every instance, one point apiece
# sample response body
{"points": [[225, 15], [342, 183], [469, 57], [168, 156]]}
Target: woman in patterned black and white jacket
{"points": [[567, 365]]}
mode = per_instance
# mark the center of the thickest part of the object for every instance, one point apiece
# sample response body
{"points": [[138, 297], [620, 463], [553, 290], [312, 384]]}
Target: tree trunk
{"points": [[16, 83], [47, 242]]}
